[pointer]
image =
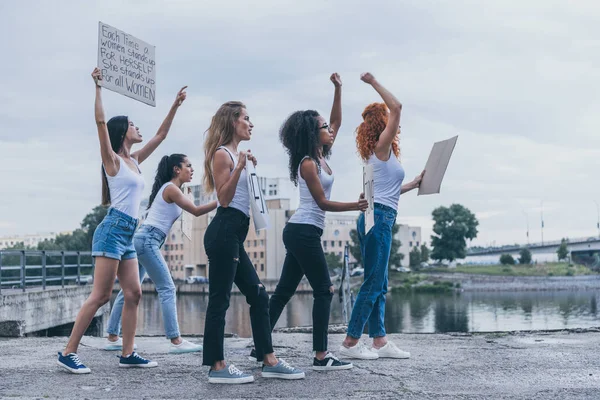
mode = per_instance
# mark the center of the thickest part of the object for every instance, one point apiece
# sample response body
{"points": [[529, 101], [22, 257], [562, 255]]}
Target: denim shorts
{"points": [[113, 237]]}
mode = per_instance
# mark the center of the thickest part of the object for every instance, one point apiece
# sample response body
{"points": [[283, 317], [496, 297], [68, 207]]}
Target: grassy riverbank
{"points": [[546, 269], [419, 283]]}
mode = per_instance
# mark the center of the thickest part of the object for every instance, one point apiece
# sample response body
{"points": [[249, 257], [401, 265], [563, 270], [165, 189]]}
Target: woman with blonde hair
{"points": [[377, 142], [224, 172]]}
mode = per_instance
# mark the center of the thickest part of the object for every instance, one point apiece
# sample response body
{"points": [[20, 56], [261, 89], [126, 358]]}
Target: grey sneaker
{"points": [[282, 370], [229, 375]]}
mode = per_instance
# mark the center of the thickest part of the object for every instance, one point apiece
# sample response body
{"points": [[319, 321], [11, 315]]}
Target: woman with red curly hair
{"points": [[377, 142]]}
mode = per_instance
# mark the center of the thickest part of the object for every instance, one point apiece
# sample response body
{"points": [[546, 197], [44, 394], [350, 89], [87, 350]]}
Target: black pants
{"points": [[229, 263], [305, 257]]}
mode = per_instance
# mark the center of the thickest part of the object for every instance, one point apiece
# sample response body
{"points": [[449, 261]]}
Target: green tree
{"points": [[414, 257], [333, 261], [424, 253], [354, 247], [563, 251], [507, 259], [91, 221], [525, 256], [395, 256], [452, 227]]}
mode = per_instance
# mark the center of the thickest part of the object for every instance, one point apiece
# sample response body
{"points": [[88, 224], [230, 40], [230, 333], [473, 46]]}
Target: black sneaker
{"points": [[330, 363], [252, 356]]}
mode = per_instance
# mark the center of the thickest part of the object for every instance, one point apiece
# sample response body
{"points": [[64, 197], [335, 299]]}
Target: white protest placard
{"points": [[127, 63], [260, 213], [436, 166], [369, 196], [187, 219]]}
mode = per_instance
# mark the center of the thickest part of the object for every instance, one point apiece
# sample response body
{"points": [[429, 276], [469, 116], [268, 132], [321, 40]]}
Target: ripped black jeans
{"points": [[229, 263]]}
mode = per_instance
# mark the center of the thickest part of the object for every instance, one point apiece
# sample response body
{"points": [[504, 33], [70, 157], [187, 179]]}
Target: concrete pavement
{"points": [[539, 365]]}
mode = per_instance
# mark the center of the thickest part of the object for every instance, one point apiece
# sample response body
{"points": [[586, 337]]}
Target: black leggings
{"points": [[229, 263], [305, 257]]}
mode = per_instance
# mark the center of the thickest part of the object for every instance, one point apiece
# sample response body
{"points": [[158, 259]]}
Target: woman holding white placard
{"points": [[112, 245], [225, 172], [377, 142]]}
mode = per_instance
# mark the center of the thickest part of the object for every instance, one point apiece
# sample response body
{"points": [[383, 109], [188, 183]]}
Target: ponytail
{"points": [[165, 172]]}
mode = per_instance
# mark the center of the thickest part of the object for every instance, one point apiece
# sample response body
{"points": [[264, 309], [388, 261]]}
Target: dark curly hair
{"points": [[299, 134], [375, 118]]}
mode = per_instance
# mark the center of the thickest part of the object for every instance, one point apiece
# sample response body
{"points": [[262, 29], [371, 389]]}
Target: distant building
{"points": [[265, 249], [28, 240]]}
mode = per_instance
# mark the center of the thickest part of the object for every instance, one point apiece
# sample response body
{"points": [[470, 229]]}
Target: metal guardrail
{"points": [[346, 296], [46, 274]]}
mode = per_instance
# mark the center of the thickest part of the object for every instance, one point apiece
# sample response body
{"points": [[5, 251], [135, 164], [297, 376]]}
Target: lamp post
{"points": [[527, 221], [542, 220], [598, 220]]}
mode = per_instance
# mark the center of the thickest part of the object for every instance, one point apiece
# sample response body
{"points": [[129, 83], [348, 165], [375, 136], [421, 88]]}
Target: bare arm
{"points": [[172, 194], [162, 132], [335, 118], [226, 180], [383, 147], [109, 158], [309, 172], [412, 185]]}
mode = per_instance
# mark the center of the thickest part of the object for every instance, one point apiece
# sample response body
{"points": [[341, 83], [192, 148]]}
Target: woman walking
{"points": [[112, 244], [224, 171], [308, 139], [165, 206], [377, 142]]}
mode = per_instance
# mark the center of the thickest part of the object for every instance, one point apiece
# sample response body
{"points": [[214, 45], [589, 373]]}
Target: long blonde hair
{"points": [[219, 133]]}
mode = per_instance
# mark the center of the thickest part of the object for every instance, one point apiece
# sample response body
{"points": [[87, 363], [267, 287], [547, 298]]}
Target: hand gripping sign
{"points": [[260, 213], [369, 196]]}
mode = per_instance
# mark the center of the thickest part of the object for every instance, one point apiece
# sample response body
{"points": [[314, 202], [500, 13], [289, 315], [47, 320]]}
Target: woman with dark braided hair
{"points": [[308, 139], [377, 142], [112, 244], [165, 205]]}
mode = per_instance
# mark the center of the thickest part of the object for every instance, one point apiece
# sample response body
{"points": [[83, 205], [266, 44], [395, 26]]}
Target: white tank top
{"points": [[387, 180], [241, 198], [308, 211], [162, 215], [126, 189]]}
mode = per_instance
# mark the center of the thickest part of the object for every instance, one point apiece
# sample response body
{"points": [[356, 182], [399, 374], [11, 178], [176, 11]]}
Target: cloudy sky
{"points": [[516, 80]]}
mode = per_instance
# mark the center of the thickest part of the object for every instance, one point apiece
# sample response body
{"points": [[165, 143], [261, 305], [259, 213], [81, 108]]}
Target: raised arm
{"points": [[172, 194], [162, 132], [109, 158], [310, 173], [386, 138], [335, 118], [226, 179]]}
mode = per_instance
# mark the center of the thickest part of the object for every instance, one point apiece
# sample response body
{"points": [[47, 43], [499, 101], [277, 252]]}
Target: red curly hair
{"points": [[375, 118]]}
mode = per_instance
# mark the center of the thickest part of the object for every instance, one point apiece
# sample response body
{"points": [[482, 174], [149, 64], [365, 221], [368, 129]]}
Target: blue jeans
{"points": [[113, 237], [375, 247], [147, 241]]}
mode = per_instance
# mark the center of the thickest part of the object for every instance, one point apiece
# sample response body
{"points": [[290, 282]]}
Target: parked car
{"points": [[401, 269], [357, 272], [196, 279]]}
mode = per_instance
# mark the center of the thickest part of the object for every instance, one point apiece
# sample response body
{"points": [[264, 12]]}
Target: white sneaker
{"points": [[358, 351], [184, 347], [390, 350], [116, 345]]}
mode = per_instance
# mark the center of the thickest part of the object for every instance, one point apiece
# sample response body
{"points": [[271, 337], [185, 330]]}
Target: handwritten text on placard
{"points": [[127, 63]]}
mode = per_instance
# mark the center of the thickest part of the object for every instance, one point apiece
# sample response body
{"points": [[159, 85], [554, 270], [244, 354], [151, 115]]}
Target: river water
{"points": [[409, 313]]}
